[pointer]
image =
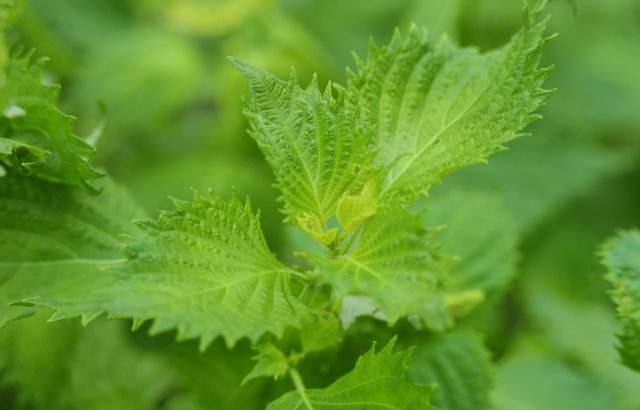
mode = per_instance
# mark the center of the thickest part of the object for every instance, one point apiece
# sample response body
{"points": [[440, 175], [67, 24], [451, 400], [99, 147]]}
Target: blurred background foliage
{"points": [[173, 120]]}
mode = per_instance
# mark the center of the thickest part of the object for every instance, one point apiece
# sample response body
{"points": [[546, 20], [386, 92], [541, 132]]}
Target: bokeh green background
{"points": [[173, 121]]}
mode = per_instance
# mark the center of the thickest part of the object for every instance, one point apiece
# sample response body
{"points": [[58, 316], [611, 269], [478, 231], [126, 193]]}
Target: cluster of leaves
{"points": [[373, 256], [347, 167]]}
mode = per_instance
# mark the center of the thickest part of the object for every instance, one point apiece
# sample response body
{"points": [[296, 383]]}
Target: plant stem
{"points": [[299, 275], [297, 381], [349, 240]]}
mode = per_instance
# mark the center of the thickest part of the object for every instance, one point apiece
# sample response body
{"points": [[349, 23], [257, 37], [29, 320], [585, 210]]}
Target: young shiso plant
{"points": [[349, 163]]}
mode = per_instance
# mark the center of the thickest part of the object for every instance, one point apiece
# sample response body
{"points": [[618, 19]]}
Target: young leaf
{"points": [[621, 255], [377, 381], [352, 210], [37, 138], [460, 367], [270, 362], [438, 107], [55, 239], [203, 268], [313, 142], [320, 331], [24, 156], [395, 263]]}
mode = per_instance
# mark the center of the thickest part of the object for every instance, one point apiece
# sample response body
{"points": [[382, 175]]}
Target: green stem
{"points": [[304, 291], [316, 290], [297, 381], [345, 247], [299, 275]]}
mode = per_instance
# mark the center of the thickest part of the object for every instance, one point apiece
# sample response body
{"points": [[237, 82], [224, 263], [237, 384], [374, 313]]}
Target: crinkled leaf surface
{"points": [[621, 255], [35, 137], [377, 382], [438, 107], [459, 365], [203, 268], [313, 142], [54, 240], [396, 264]]}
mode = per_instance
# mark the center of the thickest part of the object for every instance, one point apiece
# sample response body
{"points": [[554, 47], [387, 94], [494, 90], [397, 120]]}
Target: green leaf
{"points": [[8, 11], [480, 236], [506, 175], [582, 332], [377, 381], [542, 384], [396, 264], [621, 255], [141, 103], [22, 155], [320, 331], [32, 122], [313, 142], [438, 107], [195, 369], [271, 362], [24, 346], [54, 240], [108, 371], [352, 210], [85, 367], [629, 347], [459, 365], [354, 307], [203, 268]]}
